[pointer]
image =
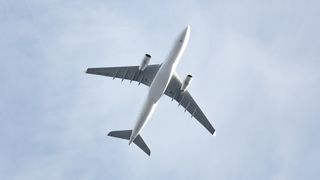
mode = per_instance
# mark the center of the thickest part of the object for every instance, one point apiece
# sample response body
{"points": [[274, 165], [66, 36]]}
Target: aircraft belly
{"points": [[144, 116], [160, 82]]}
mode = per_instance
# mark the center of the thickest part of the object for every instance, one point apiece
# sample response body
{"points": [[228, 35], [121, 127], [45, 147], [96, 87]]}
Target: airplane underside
{"points": [[161, 79]]}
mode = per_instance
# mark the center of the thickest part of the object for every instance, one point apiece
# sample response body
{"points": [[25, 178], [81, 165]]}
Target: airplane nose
{"points": [[186, 33], [187, 30], [188, 27]]}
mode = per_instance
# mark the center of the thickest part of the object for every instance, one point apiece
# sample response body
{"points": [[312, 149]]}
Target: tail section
{"points": [[141, 144], [121, 134], [125, 134]]}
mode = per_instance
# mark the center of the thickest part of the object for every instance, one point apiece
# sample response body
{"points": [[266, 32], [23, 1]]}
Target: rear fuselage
{"points": [[161, 81]]}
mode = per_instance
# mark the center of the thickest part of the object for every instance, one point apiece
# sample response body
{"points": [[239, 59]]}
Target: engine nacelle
{"points": [[145, 62], [186, 82]]}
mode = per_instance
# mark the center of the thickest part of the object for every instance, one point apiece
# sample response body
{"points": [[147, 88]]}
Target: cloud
{"points": [[255, 67]]}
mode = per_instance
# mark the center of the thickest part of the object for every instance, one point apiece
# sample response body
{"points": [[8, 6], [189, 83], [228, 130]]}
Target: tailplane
{"points": [[125, 134]]}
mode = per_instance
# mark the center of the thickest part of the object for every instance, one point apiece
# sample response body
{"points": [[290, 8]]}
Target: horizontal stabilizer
{"points": [[121, 134], [125, 134], [142, 145]]}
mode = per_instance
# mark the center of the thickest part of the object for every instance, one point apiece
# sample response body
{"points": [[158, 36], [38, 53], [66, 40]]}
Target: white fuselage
{"points": [[160, 82]]}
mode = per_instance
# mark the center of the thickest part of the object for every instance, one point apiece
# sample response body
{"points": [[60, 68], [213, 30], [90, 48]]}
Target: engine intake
{"points": [[145, 62], [186, 83]]}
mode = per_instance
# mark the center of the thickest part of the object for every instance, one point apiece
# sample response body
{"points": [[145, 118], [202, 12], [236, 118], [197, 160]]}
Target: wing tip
{"points": [[213, 132], [149, 153]]}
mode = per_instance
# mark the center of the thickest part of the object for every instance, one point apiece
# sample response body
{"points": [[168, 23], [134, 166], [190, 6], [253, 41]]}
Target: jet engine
{"points": [[145, 62], [186, 82]]}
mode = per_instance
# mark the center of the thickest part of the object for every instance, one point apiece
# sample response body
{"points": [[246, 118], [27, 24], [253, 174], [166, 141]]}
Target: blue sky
{"points": [[256, 76]]}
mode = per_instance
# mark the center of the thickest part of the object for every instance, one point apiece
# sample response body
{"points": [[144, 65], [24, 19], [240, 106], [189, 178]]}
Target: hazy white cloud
{"points": [[256, 73]]}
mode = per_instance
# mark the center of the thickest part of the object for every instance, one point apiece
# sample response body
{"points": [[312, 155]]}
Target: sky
{"points": [[256, 75]]}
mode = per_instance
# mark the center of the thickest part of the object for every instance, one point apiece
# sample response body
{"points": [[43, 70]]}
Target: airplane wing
{"points": [[185, 99], [131, 73]]}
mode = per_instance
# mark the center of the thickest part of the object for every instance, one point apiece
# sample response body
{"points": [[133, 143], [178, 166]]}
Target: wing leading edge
{"points": [[131, 73], [185, 99]]}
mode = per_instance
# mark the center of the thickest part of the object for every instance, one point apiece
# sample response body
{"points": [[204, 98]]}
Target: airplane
{"points": [[161, 79]]}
